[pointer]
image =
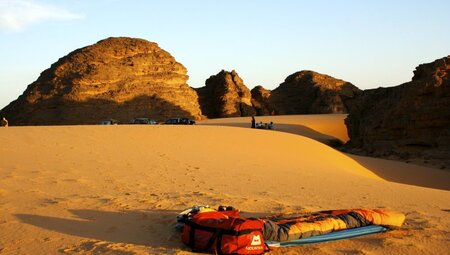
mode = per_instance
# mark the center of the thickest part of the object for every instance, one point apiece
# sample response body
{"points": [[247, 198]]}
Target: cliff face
{"points": [[411, 120], [225, 95], [119, 78], [308, 92]]}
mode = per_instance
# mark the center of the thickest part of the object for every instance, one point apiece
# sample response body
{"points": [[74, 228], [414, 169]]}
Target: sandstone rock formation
{"points": [[409, 121], [260, 100], [118, 78], [225, 95], [308, 92]]}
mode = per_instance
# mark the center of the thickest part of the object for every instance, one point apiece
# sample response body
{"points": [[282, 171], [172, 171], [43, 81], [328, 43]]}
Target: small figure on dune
{"points": [[270, 126], [253, 122], [4, 122]]}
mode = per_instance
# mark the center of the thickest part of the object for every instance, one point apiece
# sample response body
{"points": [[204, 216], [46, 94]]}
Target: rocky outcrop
{"points": [[408, 121], [225, 95], [118, 78], [260, 100], [304, 92], [308, 92]]}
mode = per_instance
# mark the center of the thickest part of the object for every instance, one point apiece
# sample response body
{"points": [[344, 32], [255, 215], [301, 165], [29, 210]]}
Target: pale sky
{"points": [[368, 43]]}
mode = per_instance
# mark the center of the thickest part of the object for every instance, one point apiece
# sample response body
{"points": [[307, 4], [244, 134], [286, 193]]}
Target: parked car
{"points": [[143, 121], [109, 122], [180, 121]]}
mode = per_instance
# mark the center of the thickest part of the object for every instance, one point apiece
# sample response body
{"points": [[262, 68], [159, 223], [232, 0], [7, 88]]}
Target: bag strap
{"points": [[192, 237], [266, 247], [219, 245], [216, 236]]}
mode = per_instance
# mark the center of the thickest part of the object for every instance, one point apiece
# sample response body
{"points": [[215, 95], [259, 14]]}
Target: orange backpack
{"points": [[223, 232]]}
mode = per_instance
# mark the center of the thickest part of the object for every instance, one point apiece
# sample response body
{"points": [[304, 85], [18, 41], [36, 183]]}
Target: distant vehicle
{"points": [[180, 121], [143, 121], [109, 122]]}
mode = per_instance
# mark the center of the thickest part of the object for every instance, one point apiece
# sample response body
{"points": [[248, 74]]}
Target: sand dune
{"points": [[117, 189], [325, 128]]}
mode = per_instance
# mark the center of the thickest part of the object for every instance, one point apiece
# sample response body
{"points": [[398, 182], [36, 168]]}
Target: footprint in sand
{"points": [[74, 180], [417, 221], [49, 201], [105, 200], [11, 175], [102, 247]]}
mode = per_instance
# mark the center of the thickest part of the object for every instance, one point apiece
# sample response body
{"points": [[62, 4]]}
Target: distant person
{"points": [[253, 122], [270, 126], [4, 122]]}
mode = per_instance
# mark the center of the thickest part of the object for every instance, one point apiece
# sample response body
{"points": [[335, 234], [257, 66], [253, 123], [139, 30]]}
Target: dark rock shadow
{"points": [[149, 228], [60, 111]]}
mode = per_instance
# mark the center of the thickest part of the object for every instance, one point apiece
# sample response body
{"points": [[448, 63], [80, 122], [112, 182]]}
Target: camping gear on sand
{"points": [[332, 236], [295, 226], [223, 231]]}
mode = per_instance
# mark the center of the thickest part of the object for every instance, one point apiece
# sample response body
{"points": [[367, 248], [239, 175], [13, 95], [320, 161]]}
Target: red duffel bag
{"points": [[224, 232]]}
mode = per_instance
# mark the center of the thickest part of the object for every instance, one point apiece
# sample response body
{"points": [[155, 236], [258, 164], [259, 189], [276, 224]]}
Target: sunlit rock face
{"points": [[120, 78], [411, 120]]}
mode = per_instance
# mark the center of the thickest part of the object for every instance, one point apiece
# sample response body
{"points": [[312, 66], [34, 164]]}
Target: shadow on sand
{"points": [[406, 173], [389, 170], [292, 129], [154, 229], [149, 228]]}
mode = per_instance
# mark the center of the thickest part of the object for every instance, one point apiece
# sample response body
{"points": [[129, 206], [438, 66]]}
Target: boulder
{"points": [[120, 78], [225, 95], [409, 121]]}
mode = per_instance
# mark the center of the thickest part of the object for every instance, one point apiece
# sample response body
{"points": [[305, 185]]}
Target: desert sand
{"points": [[117, 189]]}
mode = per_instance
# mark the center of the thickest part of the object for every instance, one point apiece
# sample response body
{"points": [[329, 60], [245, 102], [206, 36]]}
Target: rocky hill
{"points": [[308, 92], [408, 121], [225, 95], [118, 78]]}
